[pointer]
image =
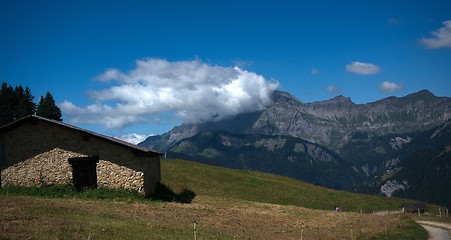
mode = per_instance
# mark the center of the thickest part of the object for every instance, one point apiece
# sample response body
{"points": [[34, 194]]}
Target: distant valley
{"points": [[394, 146]]}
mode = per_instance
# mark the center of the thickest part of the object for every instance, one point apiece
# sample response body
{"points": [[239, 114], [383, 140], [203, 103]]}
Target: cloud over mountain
{"points": [[441, 38], [362, 68], [390, 87], [332, 89], [194, 91], [133, 138]]}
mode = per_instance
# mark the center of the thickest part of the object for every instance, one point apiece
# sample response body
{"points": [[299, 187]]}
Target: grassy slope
{"points": [[266, 188], [230, 204]]}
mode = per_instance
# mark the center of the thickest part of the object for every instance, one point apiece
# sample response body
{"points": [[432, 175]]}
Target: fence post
{"points": [[419, 212], [440, 212], [385, 228], [195, 232], [302, 231]]}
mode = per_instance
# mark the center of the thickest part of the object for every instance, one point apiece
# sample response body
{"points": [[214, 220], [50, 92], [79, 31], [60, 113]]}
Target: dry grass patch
{"points": [[217, 218]]}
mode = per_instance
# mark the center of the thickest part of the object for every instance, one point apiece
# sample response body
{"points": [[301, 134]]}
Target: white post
{"points": [[440, 212], [385, 228], [195, 234], [302, 231], [419, 212]]}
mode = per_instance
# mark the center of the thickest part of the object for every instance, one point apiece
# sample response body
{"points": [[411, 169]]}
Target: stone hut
{"points": [[414, 207], [36, 151]]}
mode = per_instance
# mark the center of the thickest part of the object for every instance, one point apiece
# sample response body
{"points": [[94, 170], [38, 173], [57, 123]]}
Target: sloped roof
{"points": [[90, 133], [415, 206]]}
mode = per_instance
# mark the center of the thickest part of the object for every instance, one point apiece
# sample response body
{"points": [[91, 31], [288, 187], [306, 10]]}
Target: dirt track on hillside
{"points": [[437, 230]]}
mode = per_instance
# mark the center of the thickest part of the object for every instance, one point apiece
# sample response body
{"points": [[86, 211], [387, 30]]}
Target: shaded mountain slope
{"points": [[283, 155], [424, 169]]}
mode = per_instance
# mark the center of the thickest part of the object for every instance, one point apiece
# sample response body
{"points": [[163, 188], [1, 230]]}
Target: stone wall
{"points": [[44, 169], [37, 149], [53, 168], [110, 175]]}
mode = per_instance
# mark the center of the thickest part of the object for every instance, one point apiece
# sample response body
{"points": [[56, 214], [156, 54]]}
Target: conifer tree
{"points": [[7, 107], [48, 109], [26, 105]]}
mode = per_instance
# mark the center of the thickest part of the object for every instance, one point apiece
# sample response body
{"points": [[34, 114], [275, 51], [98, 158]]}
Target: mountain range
{"points": [[396, 146]]}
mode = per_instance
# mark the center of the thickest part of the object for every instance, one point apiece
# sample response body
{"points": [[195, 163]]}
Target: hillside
{"points": [[434, 146], [283, 155], [207, 180], [334, 143], [414, 165], [230, 204]]}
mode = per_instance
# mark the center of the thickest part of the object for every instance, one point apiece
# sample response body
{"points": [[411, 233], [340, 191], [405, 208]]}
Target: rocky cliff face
{"points": [[332, 123], [423, 170]]}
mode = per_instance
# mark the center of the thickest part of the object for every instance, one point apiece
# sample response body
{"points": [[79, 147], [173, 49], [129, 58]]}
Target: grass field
{"points": [[267, 188], [24, 217], [229, 204]]}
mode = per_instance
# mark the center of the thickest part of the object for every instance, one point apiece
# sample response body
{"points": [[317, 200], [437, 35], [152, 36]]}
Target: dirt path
{"points": [[437, 230]]}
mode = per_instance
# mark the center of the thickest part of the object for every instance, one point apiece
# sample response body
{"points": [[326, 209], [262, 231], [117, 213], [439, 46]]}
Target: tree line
{"points": [[17, 102]]}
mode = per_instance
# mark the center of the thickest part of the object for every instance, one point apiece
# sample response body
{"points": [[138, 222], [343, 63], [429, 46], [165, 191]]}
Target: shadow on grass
{"points": [[165, 193], [162, 193]]}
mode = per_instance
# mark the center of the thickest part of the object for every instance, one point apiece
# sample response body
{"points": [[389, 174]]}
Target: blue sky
{"points": [[121, 67]]}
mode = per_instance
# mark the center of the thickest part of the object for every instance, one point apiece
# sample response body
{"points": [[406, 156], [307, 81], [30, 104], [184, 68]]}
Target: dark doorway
{"points": [[84, 174]]}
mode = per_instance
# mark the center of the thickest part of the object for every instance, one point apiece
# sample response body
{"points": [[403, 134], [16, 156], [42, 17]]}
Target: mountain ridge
{"points": [[367, 141], [329, 122]]}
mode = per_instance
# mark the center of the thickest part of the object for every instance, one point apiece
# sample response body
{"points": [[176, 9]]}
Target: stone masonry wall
{"points": [[39, 151], [44, 169], [53, 167], [110, 175]]}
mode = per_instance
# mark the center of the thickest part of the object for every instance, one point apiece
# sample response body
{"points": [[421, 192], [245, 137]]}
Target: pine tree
{"points": [[7, 107], [26, 105], [48, 109]]}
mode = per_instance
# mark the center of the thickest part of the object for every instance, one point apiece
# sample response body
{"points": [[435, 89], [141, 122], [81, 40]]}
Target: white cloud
{"points": [[194, 91], [133, 138], [390, 87], [332, 89], [362, 68], [441, 38], [242, 63]]}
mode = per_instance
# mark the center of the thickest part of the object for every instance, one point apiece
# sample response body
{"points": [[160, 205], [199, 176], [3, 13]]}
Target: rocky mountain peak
{"points": [[330, 122], [340, 99], [423, 95], [284, 97], [333, 103]]}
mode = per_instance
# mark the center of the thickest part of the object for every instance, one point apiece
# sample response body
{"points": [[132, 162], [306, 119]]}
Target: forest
{"points": [[18, 102]]}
